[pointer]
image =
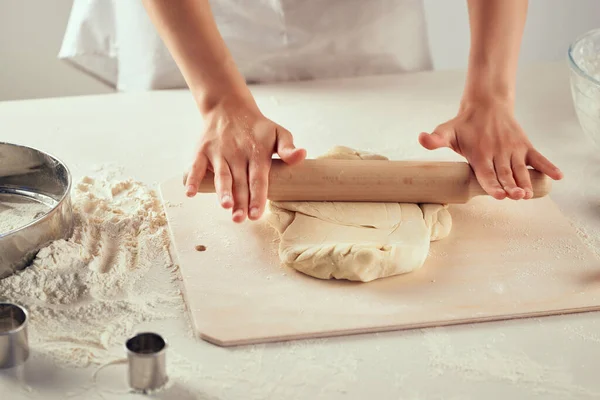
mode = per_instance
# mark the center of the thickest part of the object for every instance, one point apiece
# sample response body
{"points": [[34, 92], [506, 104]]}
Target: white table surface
{"points": [[151, 135]]}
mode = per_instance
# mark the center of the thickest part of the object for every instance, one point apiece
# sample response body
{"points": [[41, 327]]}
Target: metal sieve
{"points": [[30, 176]]}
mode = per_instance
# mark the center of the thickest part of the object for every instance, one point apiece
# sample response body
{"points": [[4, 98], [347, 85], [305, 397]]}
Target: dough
{"points": [[356, 241]]}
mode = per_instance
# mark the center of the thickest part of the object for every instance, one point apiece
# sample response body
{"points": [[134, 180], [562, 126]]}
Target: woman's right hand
{"points": [[237, 145], [238, 141]]}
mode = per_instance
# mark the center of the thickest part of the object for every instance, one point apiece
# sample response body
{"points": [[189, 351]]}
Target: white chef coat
{"points": [[270, 40]]}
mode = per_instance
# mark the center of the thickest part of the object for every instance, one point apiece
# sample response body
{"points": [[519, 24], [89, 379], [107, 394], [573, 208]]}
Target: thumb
{"points": [[439, 138], [286, 149]]}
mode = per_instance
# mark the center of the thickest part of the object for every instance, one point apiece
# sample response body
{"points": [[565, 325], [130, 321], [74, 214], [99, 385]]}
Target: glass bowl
{"points": [[584, 66]]}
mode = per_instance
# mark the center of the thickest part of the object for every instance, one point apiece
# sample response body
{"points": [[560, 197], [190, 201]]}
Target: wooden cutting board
{"points": [[503, 260]]}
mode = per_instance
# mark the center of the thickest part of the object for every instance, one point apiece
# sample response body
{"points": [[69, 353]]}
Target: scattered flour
{"points": [[580, 333], [87, 294], [249, 367], [484, 363], [590, 237], [16, 212]]}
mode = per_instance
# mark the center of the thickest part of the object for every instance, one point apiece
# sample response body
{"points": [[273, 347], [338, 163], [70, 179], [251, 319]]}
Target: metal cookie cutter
{"points": [[146, 353], [14, 344]]}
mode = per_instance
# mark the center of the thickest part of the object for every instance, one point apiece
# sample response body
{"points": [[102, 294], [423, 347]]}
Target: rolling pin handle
{"points": [[540, 183]]}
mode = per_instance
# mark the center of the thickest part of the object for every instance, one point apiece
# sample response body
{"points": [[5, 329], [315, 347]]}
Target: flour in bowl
{"points": [[16, 212], [86, 294]]}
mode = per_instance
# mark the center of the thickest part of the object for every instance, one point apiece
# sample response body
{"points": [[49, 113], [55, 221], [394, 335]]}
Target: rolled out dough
{"points": [[356, 241]]}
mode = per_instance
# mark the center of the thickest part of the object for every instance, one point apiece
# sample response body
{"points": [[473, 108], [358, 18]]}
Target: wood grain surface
{"points": [[503, 260]]}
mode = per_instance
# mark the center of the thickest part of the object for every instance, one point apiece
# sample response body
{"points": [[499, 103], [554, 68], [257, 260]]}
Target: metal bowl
{"points": [[31, 180], [584, 67]]}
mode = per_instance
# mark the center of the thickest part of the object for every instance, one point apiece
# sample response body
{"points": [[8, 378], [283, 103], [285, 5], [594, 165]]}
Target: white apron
{"points": [[270, 40]]}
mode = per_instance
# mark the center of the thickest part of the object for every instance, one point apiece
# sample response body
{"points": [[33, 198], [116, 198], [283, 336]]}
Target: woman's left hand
{"points": [[488, 136]]}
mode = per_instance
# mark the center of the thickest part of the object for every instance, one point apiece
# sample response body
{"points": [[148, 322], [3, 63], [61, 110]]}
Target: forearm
{"points": [[189, 31], [496, 31]]}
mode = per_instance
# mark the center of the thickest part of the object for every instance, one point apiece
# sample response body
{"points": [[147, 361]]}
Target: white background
{"points": [[31, 33]]}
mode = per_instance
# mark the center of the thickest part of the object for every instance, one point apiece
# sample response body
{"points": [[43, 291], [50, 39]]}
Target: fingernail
{"points": [[191, 190], [225, 199], [238, 215], [254, 212]]}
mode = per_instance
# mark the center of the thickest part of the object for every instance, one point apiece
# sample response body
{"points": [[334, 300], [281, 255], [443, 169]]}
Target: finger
{"points": [[542, 164], [239, 172], [286, 149], [505, 176], [223, 182], [521, 175], [196, 175], [487, 178], [258, 174], [440, 137]]}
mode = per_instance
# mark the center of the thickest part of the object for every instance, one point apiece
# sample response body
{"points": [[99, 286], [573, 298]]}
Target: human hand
{"points": [[489, 137], [237, 145]]}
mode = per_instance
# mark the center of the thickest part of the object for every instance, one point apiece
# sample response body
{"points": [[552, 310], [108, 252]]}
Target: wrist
{"points": [[228, 102], [221, 87], [224, 99], [497, 104], [488, 84], [487, 98], [224, 96], [488, 90]]}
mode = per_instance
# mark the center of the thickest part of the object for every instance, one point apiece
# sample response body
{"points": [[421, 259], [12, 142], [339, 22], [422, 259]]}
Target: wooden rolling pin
{"points": [[377, 181]]}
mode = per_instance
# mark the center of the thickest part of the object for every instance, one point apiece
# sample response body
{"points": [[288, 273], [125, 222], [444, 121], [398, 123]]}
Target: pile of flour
{"points": [[86, 294]]}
